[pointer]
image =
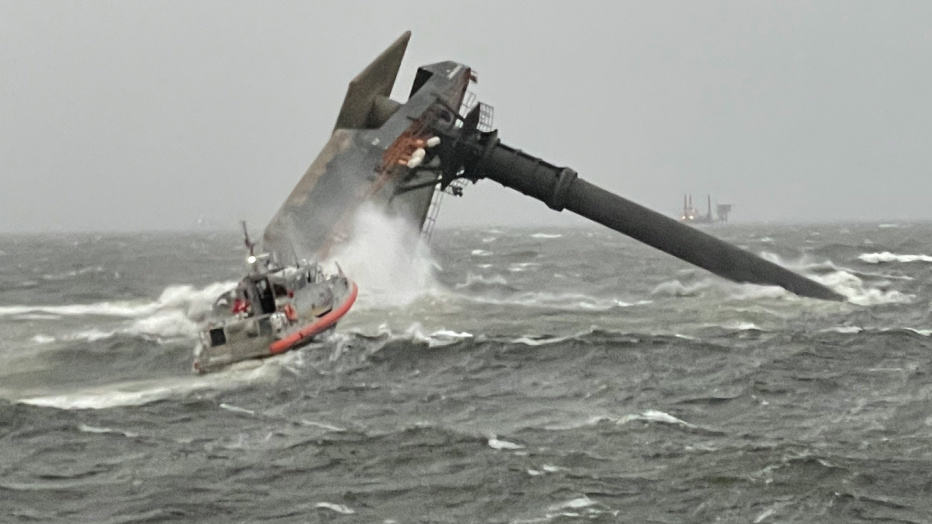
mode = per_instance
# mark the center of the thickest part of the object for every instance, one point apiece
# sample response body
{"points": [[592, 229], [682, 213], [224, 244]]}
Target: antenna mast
{"points": [[250, 245]]}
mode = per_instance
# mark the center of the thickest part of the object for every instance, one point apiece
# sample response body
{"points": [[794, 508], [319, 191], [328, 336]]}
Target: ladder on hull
{"points": [[455, 188]]}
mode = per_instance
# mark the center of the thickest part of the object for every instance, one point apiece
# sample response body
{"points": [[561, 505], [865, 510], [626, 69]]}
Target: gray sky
{"points": [[149, 115]]}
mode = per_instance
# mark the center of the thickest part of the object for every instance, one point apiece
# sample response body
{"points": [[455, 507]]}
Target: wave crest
{"points": [[886, 257]]}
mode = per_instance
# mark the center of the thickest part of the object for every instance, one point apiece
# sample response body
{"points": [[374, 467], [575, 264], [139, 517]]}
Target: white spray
{"points": [[387, 258]]}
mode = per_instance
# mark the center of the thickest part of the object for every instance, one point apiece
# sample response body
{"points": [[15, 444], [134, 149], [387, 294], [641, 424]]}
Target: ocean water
{"points": [[508, 375]]}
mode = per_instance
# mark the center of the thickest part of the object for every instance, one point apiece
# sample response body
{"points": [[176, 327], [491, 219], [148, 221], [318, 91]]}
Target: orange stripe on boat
{"points": [[321, 324]]}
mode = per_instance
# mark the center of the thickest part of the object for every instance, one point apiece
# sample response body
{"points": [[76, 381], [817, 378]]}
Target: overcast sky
{"points": [[151, 115]]}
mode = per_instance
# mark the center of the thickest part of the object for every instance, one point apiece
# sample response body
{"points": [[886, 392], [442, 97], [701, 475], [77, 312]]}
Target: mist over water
{"points": [[505, 375]]}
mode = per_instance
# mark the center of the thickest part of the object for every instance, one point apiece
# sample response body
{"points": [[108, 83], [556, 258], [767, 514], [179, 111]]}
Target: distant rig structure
{"points": [[692, 215]]}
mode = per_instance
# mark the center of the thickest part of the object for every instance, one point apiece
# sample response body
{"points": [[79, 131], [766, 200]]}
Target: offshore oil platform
{"points": [[692, 215], [403, 157]]}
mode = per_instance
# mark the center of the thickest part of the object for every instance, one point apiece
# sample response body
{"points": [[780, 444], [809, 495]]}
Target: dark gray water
{"points": [[521, 375]]}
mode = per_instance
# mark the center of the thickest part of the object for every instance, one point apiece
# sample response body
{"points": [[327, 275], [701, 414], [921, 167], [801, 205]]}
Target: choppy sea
{"points": [[511, 375]]}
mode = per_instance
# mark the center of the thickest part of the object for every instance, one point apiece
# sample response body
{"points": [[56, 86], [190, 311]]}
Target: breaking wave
{"points": [[675, 288], [847, 282], [138, 393], [854, 330], [827, 266], [654, 415], [857, 292], [559, 301], [173, 315], [413, 333], [439, 338], [186, 298], [887, 257], [543, 340]]}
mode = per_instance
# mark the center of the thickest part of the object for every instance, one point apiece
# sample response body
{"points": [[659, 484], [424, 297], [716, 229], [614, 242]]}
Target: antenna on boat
{"points": [[294, 253], [250, 245]]}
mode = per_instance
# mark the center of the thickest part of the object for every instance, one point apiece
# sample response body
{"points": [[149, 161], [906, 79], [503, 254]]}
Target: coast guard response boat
{"points": [[273, 309]]}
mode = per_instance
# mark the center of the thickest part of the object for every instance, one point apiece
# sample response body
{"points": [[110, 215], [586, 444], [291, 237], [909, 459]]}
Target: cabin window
{"points": [[217, 337]]}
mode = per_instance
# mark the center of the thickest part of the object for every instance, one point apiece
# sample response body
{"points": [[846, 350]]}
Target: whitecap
{"points": [[473, 279], [91, 335], [339, 508], [849, 284], [322, 425], [561, 301], [845, 330], [675, 288], [577, 503], [764, 515], [739, 325], [182, 297], [518, 267], [480, 253], [496, 443], [445, 337], [734, 290], [856, 292], [114, 309], [439, 338], [546, 235], [85, 428], [100, 400], [191, 299], [576, 424], [532, 340], [236, 409], [873, 297], [137, 393], [42, 339], [169, 324], [888, 257], [169, 316], [757, 291], [653, 415], [172, 323]]}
